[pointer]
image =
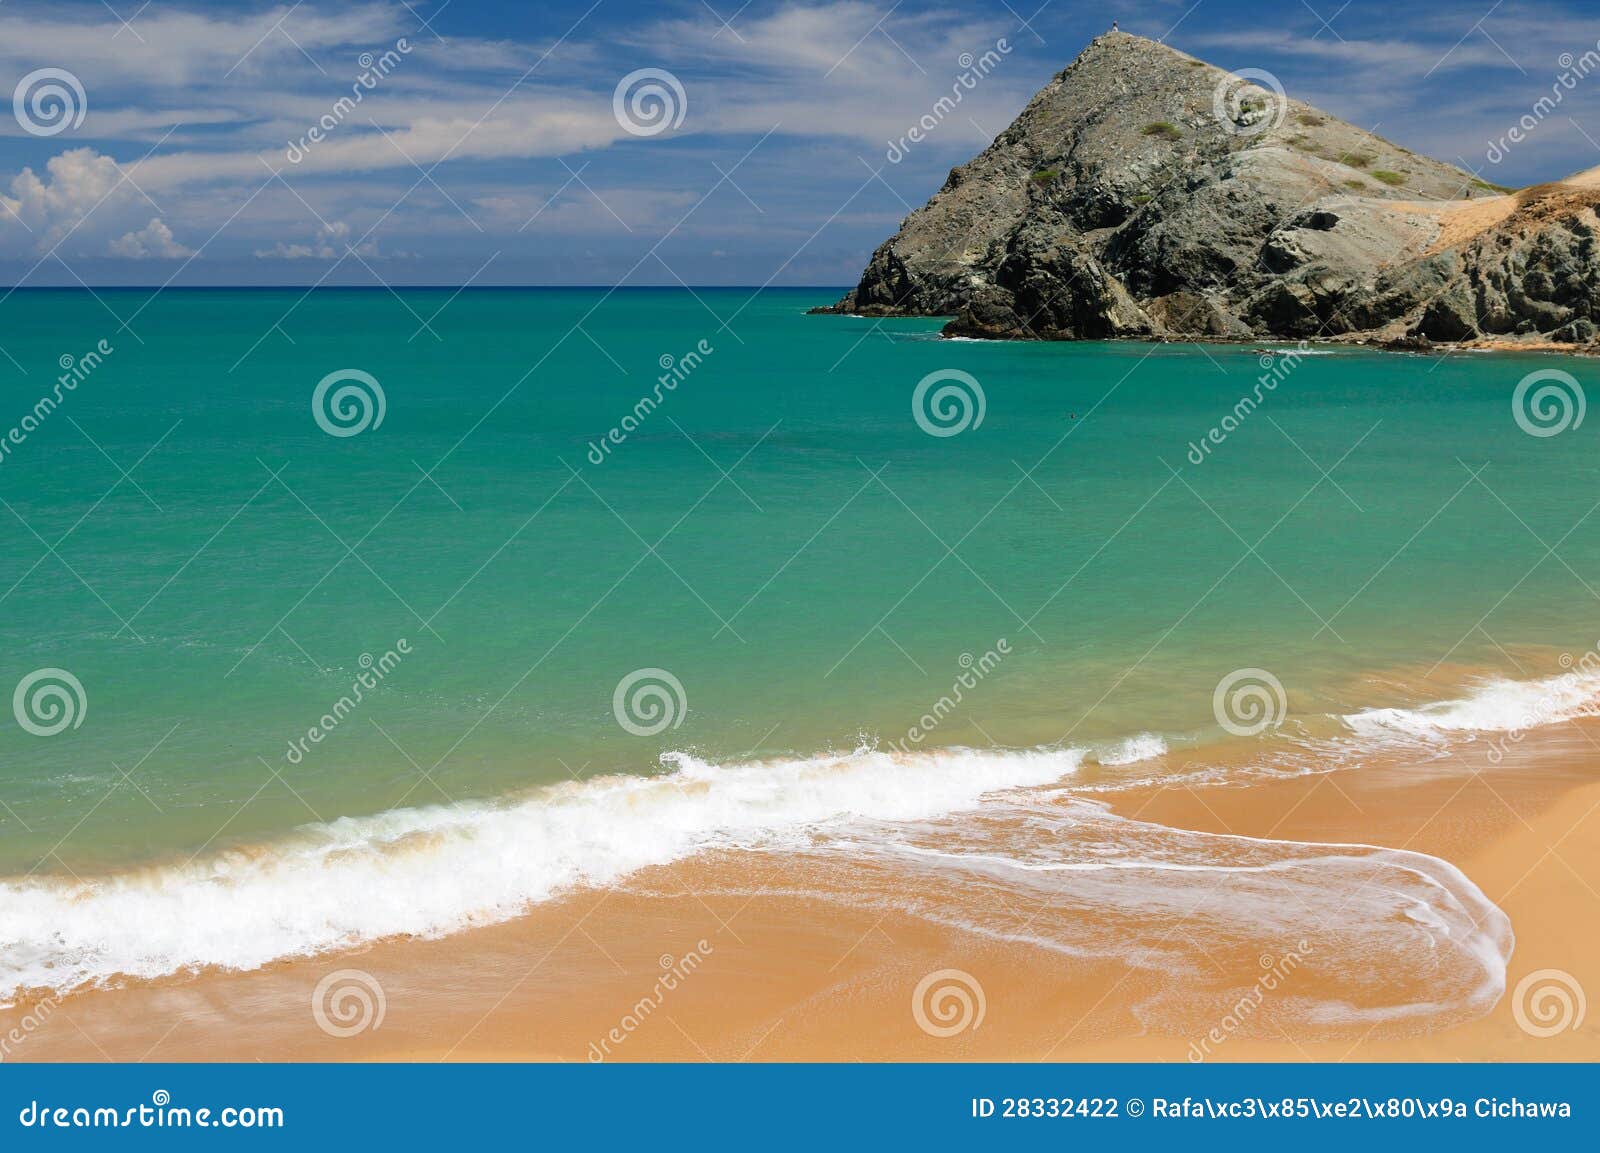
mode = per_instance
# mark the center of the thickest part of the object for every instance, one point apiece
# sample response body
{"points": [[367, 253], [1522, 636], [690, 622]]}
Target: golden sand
{"points": [[766, 966], [1459, 221]]}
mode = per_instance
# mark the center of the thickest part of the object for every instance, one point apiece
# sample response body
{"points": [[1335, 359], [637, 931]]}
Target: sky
{"points": [[151, 143]]}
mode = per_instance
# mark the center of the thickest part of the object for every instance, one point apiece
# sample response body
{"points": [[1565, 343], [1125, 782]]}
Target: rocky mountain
{"points": [[1145, 193]]}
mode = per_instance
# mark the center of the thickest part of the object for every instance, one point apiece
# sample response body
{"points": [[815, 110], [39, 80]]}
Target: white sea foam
{"points": [[1377, 937], [1492, 706], [430, 871], [1144, 747], [1383, 935]]}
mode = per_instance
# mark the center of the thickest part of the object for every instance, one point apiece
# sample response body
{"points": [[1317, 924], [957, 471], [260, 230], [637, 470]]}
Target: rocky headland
{"points": [[1143, 193]]}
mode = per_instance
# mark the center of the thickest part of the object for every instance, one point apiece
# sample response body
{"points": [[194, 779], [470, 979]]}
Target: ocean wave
{"points": [[1144, 747], [432, 871], [1493, 705]]}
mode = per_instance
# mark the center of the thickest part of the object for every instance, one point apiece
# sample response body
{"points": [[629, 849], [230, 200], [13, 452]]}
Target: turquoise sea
{"points": [[775, 530]]}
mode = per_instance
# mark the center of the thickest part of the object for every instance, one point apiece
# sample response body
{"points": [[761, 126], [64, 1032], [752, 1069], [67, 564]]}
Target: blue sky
{"points": [[491, 151]]}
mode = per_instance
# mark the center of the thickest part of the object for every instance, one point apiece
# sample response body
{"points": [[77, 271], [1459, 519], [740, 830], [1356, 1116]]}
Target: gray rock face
{"points": [[1144, 193]]}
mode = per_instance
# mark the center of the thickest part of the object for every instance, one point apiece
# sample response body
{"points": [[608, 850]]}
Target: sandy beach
{"points": [[756, 956]]}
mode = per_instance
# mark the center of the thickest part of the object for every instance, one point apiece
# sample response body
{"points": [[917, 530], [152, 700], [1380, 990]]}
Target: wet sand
{"points": [[744, 956]]}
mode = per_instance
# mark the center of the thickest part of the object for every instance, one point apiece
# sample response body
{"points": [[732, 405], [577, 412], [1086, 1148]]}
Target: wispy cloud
{"points": [[245, 132]]}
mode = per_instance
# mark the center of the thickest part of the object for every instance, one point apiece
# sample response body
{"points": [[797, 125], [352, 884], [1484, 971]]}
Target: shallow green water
{"points": [[779, 534]]}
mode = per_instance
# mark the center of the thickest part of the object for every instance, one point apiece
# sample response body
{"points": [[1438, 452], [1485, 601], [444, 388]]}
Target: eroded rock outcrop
{"points": [[1144, 193]]}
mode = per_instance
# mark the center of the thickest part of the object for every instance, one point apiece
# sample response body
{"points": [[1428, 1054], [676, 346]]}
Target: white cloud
{"points": [[822, 71], [177, 48], [167, 47], [76, 183], [153, 241], [819, 70], [330, 243]]}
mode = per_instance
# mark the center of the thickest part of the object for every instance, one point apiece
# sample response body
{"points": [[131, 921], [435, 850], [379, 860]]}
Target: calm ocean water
{"points": [[737, 538], [779, 534]]}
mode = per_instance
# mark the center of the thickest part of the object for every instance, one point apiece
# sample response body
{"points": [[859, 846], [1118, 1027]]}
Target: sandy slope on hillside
{"points": [[1461, 220]]}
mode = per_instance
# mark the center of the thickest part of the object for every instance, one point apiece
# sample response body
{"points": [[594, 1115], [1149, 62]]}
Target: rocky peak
{"points": [[1144, 192]]}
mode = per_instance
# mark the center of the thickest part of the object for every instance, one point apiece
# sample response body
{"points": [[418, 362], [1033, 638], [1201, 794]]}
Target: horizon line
{"points": [[429, 287]]}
